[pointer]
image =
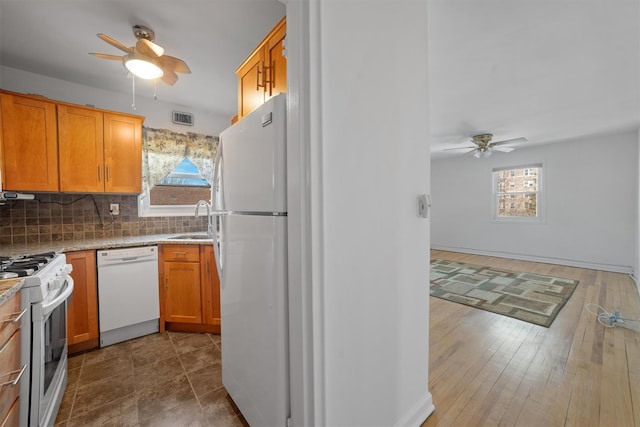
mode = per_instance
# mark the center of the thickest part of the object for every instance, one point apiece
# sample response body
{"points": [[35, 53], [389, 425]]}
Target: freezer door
{"points": [[253, 165], [255, 356]]}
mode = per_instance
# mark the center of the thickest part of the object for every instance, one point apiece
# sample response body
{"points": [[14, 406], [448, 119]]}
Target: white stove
{"points": [[48, 287]]}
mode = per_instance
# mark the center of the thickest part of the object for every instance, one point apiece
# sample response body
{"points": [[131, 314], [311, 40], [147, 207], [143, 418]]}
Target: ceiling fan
{"points": [[484, 147], [146, 59]]}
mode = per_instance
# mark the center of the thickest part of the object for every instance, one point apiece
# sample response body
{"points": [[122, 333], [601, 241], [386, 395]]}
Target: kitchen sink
{"points": [[192, 237]]}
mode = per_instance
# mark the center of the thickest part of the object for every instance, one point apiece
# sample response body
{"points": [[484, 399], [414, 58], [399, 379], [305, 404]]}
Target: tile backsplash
{"points": [[55, 217]]}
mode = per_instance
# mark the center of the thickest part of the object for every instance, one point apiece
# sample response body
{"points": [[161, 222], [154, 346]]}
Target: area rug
{"points": [[530, 297]]}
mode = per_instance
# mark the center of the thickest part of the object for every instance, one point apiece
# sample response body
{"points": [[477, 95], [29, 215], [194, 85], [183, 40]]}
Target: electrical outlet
{"points": [[114, 209]]}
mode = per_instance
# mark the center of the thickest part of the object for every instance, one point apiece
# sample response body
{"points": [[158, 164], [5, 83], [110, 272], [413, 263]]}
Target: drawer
{"points": [[181, 253], [13, 417], [10, 371], [9, 318]]}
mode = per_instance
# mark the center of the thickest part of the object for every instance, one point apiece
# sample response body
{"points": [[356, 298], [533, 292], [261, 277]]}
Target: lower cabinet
{"points": [[82, 311], [11, 361], [189, 288]]}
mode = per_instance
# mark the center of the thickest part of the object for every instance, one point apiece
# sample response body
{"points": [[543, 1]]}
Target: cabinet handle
{"points": [[179, 253], [258, 85], [207, 266], [17, 380], [108, 173], [17, 317], [99, 174], [273, 75]]}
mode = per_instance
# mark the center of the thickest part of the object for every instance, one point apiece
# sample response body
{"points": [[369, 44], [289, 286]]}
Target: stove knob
{"points": [[68, 268], [56, 283]]}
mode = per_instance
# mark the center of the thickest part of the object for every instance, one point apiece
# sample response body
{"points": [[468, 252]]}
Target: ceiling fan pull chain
{"points": [[155, 87], [133, 83]]}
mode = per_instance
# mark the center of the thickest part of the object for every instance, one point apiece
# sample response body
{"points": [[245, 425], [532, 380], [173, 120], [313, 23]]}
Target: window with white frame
{"points": [[517, 193]]}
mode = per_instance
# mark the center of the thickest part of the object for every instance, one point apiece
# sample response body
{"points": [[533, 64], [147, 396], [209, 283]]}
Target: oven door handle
{"points": [[65, 293]]}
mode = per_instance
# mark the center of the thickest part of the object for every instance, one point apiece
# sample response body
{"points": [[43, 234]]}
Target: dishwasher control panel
{"points": [[126, 254]]}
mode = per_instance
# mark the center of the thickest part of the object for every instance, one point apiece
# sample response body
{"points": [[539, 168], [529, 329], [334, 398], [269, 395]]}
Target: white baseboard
{"points": [[418, 413], [535, 258]]}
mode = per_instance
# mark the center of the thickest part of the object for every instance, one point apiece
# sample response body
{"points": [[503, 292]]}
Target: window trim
{"points": [[540, 218]]}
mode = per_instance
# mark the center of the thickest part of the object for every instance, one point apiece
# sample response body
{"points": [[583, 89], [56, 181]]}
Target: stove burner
{"points": [[24, 265]]}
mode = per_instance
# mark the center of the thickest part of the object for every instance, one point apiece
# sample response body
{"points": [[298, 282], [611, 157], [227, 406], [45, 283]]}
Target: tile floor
{"points": [[172, 379]]}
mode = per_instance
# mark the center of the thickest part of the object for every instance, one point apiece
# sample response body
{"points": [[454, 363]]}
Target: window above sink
{"points": [[177, 170]]}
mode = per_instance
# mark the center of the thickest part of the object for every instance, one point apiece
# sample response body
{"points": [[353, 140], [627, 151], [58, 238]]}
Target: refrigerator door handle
{"points": [[217, 248], [217, 210], [217, 190]]}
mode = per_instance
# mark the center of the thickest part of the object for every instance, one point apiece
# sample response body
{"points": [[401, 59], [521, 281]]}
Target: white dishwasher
{"points": [[128, 299]]}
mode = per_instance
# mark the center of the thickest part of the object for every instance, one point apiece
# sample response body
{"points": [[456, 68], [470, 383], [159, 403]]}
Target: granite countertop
{"points": [[105, 243], [8, 287]]}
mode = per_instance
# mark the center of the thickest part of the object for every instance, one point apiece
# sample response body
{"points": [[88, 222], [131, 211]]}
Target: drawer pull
{"points": [[17, 317], [17, 380]]}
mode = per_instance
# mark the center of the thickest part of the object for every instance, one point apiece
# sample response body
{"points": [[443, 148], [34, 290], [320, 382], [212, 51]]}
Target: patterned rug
{"points": [[530, 297]]}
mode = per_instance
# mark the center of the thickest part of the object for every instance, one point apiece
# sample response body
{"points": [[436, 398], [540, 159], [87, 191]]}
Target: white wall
{"points": [[369, 160], [157, 113], [591, 188], [636, 267]]}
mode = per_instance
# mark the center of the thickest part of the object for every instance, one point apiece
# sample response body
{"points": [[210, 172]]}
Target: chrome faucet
{"points": [[208, 206]]}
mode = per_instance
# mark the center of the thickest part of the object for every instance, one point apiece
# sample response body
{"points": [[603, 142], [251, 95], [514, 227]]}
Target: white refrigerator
{"points": [[250, 201]]}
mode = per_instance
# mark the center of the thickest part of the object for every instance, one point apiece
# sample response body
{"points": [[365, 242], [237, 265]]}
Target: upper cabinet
{"points": [[99, 152], [55, 146], [28, 143], [264, 73]]}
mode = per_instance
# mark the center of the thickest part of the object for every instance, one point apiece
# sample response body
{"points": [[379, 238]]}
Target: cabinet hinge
{"points": [[284, 47]]}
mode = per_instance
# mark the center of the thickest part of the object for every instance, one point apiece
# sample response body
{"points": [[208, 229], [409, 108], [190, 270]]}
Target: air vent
{"points": [[183, 118]]}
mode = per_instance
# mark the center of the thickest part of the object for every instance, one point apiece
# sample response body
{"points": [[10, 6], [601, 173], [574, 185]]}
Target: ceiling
{"points": [[54, 37], [547, 70]]}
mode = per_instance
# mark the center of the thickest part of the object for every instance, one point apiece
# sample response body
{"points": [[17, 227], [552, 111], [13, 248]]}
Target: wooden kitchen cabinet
{"points": [[189, 289], [210, 287], [123, 153], [264, 73], [48, 145], [99, 151], [179, 275], [28, 143], [82, 311], [12, 366]]}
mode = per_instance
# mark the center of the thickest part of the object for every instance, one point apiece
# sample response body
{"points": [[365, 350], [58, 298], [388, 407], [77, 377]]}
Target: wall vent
{"points": [[183, 118]]}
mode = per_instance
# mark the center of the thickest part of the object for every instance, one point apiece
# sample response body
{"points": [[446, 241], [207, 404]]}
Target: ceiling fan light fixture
{"points": [[477, 154], [141, 67]]}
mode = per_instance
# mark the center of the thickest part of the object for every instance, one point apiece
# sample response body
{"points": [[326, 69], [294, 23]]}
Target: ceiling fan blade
{"points": [[169, 77], [459, 148], [107, 56], [149, 48], [115, 43], [175, 64], [509, 141], [503, 149]]}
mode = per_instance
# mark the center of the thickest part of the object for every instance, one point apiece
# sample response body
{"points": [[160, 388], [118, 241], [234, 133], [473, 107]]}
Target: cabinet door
{"points": [[276, 61], [29, 140], [251, 83], [82, 312], [80, 142], [210, 286], [122, 153], [182, 299]]}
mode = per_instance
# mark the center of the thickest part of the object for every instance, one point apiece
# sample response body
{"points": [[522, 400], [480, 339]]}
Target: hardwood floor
{"points": [[490, 370]]}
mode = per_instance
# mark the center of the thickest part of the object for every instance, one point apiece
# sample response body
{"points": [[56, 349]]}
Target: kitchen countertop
{"points": [[8, 287], [105, 243]]}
